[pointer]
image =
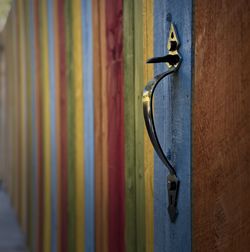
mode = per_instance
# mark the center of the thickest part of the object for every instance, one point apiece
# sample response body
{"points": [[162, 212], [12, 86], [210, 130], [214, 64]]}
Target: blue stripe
{"points": [[173, 123], [89, 124], [52, 126], [34, 128]]}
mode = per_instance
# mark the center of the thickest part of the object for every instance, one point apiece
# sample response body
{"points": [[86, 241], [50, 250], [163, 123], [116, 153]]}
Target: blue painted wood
{"points": [[54, 203], [88, 123], [173, 124], [34, 192]]}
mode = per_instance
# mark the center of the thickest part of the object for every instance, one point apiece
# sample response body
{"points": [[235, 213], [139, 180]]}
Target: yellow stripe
{"points": [[22, 79], [46, 126], [79, 146], [148, 150]]}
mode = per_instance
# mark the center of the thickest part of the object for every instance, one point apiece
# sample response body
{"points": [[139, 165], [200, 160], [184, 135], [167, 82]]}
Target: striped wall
{"points": [[79, 160]]}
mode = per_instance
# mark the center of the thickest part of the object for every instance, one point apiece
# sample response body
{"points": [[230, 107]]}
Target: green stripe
{"points": [[130, 174], [139, 126]]}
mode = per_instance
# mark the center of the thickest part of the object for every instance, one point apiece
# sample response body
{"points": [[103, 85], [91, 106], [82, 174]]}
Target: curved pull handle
{"points": [[173, 60], [147, 101]]}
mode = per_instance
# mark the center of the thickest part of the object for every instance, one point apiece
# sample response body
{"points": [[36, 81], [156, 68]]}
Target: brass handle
{"points": [[173, 60]]}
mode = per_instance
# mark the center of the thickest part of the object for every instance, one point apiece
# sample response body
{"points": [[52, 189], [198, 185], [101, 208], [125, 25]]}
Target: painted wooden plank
{"points": [[40, 175], [63, 124], [19, 156], [148, 49], [45, 88], [221, 123], [89, 123], [139, 126], [101, 125], [53, 135], [104, 102], [23, 133], [129, 113], [29, 123], [70, 128], [173, 125], [15, 102], [97, 87], [115, 84], [45, 85], [58, 121], [34, 207], [78, 123]]}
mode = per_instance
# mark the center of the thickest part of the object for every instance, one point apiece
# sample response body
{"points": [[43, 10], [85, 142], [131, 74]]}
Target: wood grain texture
{"points": [[148, 51], [115, 94], [79, 127], [173, 125], [97, 83], [221, 150], [89, 124], [104, 104], [129, 113], [100, 126]]}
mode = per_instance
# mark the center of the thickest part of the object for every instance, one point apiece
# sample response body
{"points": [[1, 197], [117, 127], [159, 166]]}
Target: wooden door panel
{"points": [[221, 124]]}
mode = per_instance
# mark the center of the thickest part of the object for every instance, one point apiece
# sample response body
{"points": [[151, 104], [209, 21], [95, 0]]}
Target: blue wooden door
{"points": [[172, 112]]}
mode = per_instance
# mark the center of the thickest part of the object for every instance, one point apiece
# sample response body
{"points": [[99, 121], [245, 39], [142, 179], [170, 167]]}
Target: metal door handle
{"points": [[173, 60]]}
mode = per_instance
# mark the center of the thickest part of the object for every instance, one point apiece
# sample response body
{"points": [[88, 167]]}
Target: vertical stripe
{"points": [[23, 134], [15, 41], [79, 138], [89, 124], [40, 175], [114, 15], [148, 149], [70, 128], [104, 102], [129, 112], [63, 124], [58, 121], [139, 126], [34, 129], [29, 173], [46, 124], [53, 143], [101, 126], [97, 78]]}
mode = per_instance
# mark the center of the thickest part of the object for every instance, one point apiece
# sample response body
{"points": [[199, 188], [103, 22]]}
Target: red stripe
{"points": [[39, 130], [63, 122], [115, 94]]}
